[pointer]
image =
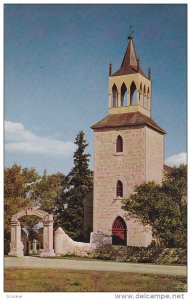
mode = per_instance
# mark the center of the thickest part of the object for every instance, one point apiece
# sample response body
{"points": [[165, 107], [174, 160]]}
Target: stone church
{"points": [[128, 150]]}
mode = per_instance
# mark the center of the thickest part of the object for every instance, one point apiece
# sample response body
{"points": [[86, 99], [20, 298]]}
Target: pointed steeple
{"points": [[130, 63], [130, 57]]}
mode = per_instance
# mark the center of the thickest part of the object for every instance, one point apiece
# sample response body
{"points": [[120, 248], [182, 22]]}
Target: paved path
{"points": [[36, 262]]}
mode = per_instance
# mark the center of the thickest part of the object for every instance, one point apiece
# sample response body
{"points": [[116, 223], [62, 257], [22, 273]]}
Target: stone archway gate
{"points": [[16, 246]]}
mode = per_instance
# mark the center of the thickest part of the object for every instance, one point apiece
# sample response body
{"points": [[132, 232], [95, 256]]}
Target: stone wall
{"points": [[100, 248], [100, 239], [64, 245]]}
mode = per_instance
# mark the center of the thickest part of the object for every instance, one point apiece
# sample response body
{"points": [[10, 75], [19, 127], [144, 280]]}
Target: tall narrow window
{"points": [[114, 96], [119, 189], [133, 94], [123, 95], [119, 144]]}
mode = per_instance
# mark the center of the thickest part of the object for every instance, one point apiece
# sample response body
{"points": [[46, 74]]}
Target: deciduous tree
{"points": [[18, 192], [163, 207], [23, 188], [48, 189]]}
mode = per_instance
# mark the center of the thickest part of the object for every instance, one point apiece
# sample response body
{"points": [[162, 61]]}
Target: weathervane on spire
{"points": [[130, 37]]}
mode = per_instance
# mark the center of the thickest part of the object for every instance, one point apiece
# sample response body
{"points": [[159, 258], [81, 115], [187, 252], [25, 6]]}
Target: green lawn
{"points": [[61, 280]]}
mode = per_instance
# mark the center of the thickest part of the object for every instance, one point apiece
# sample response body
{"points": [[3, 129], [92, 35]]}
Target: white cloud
{"points": [[177, 159], [19, 139]]}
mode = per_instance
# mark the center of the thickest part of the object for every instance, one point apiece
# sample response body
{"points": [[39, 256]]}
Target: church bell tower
{"points": [[128, 150], [129, 87]]}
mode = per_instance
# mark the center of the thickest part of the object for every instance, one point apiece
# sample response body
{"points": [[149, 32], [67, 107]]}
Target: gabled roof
{"points": [[130, 61], [126, 120]]}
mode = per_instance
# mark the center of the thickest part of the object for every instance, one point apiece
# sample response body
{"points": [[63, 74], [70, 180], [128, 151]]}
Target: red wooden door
{"points": [[119, 232]]}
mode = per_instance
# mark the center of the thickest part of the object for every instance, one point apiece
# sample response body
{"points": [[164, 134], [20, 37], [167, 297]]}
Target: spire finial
{"points": [[149, 72], [110, 68], [130, 37], [138, 64]]}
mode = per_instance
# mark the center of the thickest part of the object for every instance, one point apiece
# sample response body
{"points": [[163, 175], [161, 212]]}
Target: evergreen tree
{"points": [[75, 187]]}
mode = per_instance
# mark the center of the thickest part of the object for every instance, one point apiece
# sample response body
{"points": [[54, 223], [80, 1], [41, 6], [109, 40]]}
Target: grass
{"points": [[72, 257], [81, 258], [61, 280]]}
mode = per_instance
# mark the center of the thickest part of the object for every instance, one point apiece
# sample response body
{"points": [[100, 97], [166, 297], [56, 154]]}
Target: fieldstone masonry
{"points": [[100, 238], [141, 160]]}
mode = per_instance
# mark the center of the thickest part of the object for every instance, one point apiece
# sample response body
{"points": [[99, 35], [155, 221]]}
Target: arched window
{"points": [[119, 144], [119, 189], [114, 95], [119, 232], [123, 94], [133, 93]]}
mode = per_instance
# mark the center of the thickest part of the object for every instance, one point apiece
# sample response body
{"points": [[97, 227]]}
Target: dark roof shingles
{"points": [[128, 70], [130, 62], [125, 120]]}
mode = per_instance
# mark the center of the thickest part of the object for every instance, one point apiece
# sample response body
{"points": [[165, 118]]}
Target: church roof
{"points": [[125, 120], [130, 63]]}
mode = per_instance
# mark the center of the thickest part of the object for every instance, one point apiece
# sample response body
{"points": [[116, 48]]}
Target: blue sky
{"points": [[56, 60]]}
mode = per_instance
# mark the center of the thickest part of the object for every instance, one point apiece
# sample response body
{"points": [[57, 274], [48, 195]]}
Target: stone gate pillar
{"points": [[16, 246], [48, 237], [34, 250]]}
